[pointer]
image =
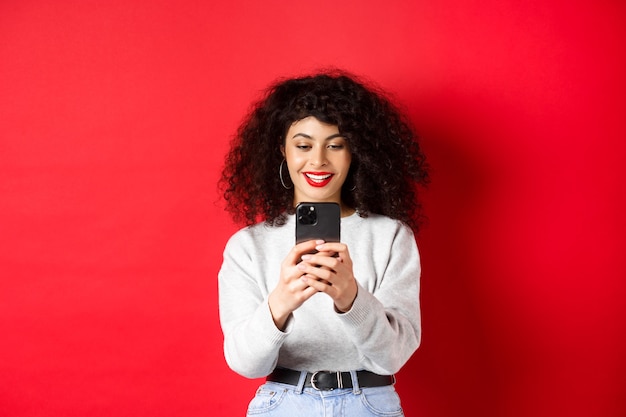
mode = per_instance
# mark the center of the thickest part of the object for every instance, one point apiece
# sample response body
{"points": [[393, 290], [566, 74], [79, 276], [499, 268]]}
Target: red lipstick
{"points": [[317, 179]]}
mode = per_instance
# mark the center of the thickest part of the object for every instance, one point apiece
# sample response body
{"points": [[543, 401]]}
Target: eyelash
{"points": [[331, 147]]}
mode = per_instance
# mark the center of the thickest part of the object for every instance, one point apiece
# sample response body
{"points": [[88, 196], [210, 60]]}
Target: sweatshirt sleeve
{"points": [[385, 324], [251, 339]]}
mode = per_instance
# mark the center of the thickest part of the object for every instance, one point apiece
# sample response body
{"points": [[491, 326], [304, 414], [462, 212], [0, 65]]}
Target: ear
{"points": [[282, 150]]}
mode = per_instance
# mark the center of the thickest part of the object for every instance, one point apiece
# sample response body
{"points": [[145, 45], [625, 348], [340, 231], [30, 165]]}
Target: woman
{"points": [[351, 309]]}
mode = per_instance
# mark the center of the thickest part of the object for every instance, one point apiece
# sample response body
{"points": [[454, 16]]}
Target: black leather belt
{"points": [[328, 381]]}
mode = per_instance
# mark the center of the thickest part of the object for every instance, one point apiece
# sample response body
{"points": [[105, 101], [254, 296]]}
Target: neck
{"points": [[346, 211]]}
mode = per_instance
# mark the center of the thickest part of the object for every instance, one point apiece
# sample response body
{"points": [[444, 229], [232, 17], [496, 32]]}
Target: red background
{"points": [[114, 120]]}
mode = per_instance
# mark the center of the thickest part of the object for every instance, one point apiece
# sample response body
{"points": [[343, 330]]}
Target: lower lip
{"points": [[316, 183]]}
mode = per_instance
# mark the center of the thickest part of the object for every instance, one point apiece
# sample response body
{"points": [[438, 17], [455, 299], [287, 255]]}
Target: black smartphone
{"points": [[318, 221]]}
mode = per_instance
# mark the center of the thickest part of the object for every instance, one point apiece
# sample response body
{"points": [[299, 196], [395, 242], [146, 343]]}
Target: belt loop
{"points": [[356, 390], [301, 381]]}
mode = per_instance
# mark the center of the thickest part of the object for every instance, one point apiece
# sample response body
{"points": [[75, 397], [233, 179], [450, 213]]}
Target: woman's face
{"points": [[318, 159]]}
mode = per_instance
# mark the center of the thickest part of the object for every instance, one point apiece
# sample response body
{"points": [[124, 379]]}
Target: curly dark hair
{"points": [[387, 162]]}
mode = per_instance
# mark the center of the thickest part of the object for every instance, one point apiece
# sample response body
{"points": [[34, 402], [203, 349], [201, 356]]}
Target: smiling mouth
{"points": [[318, 179]]}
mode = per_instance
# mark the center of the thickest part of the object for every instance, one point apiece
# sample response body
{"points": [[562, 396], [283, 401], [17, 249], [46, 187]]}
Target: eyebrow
{"points": [[304, 135]]}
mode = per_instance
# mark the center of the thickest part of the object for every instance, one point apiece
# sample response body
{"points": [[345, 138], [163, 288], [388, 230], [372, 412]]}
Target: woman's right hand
{"points": [[291, 291]]}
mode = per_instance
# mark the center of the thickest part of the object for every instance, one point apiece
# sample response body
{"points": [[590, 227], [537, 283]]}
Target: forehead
{"points": [[310, 125]]}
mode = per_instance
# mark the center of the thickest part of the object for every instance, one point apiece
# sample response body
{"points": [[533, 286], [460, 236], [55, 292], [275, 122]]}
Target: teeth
{"points": [[318, 178]]}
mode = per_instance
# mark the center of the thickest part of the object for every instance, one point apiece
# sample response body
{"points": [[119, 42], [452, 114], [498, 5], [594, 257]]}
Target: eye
{"points": [[336, 146], [303, 147]]}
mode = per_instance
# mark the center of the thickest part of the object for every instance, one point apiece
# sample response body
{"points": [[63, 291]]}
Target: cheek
{"points": [[293, 161], [346, 161]]}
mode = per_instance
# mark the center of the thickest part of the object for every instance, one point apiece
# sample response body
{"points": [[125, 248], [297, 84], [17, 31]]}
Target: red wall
{"points": [[114, 119]]}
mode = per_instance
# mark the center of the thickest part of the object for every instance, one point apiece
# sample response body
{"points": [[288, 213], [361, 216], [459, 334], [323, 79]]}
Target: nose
{"points": [[318, 157]]}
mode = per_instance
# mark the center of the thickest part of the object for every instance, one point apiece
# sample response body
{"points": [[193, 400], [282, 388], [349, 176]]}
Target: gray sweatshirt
{"points": [[379, 333]]}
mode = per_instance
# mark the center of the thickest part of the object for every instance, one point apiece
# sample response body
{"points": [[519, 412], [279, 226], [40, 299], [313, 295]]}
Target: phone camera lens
{"points": [[307, 215]]}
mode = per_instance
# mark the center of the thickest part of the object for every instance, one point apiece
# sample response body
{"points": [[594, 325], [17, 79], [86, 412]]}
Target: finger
{"points": [[319, 285], [298, 284], [321, 277], [336, 247], [307, 290], [320, 266], [329, 262], [326, 253], [306, 278], [300, 249]]}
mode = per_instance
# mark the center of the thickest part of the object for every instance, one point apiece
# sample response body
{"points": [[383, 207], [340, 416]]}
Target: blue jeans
{"points": [[275, 399]]}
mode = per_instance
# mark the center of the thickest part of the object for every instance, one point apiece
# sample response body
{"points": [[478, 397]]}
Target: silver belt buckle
{"points": [[314, 376]]}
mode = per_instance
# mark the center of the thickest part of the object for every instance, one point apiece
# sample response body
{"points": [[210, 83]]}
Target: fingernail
{"points": [[306, 257]]}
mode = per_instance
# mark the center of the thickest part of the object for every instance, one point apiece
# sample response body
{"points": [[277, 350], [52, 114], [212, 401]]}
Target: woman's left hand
{"points": [[331, 274]]}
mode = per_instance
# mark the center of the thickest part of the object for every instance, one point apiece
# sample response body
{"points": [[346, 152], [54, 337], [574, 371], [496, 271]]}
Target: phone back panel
{"points": [[325, 225]]}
